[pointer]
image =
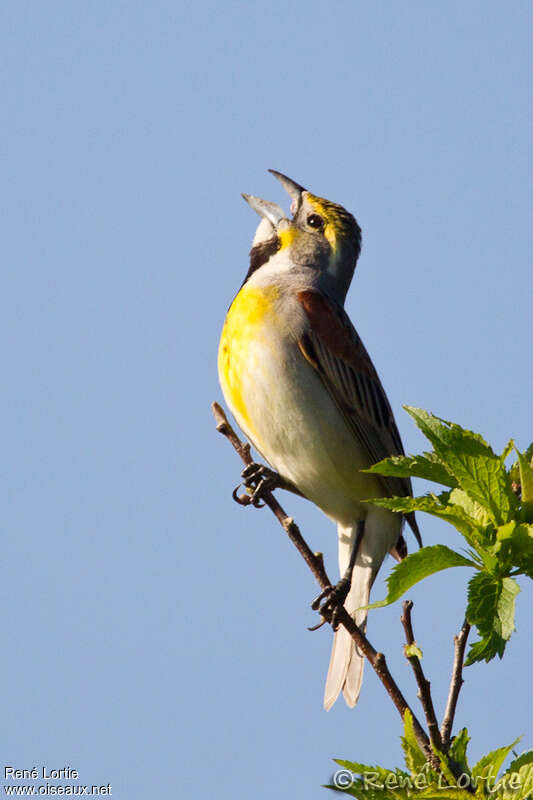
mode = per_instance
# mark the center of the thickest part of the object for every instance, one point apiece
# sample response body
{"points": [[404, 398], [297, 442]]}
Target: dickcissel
{"points": [[301, 386]]}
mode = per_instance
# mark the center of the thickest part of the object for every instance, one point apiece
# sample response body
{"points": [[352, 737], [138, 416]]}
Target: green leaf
{"points": [[517, 782], [521, 544], [353, 787], [411, 650], [514, 472], [376, 783], [445, 768], [506, 607], [356, 790], [415, 758], [526, 483], [458, 749], [437, 506], [427, 466], [473, 509], [514, 547], [491, 607], [357, 768], [505, 532], [485, 772], [439, 792], [417, 566], [507, 449], [471, 461]]}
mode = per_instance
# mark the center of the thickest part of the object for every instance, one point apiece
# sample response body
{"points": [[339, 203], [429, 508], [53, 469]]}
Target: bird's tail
{"points": [[346, 664]]}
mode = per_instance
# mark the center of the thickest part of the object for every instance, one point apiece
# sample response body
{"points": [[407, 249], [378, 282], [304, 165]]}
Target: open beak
{"points": [[270, 211], [292, 188]]}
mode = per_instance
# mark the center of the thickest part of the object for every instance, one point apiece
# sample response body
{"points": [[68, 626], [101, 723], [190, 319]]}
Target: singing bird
{"points": [[302, 388]]}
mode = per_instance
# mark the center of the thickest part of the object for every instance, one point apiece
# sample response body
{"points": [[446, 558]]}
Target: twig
{"points": [[316, 565], [313, 560], [424, 686], [455, 685]]}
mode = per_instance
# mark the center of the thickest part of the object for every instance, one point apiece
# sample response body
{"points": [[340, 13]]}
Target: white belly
{"points": [[298, 428]]}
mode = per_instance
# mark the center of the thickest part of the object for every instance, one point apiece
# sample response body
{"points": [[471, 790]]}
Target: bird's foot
{"points": [[330, 602], [258, 479]]}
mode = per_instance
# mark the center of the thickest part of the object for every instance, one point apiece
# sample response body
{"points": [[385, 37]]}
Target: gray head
{"points": [[321, 235]]}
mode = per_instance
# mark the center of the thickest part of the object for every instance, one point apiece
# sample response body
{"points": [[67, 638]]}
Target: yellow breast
{"points": [[246, 327]]}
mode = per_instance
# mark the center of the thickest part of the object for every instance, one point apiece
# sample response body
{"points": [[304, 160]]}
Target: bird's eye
{"points": [[314, 221]]}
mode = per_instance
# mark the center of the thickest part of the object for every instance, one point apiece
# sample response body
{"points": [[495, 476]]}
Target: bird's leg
{"points": [[258, 479], [336, 595]]}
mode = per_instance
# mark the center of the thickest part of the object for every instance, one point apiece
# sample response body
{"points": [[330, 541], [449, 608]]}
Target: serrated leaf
{"points": [[376, 782], [356, 767], [507, 449], [506, 607], [352, 788], [427, 466], [458, 749], [417, 566], [517, 782], [514, 547], [444, 793], [473, 509], [485, 650], [437, 506], [491, 606], [485, 772], [415, 758], [526, 480], [514, 471], [521, 549], [505, 532], [357, 791], [445, 767], [361, 791], [472, 462]]}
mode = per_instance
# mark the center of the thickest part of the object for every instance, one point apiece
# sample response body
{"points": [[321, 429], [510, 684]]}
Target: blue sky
{"points": [[154, 633]]}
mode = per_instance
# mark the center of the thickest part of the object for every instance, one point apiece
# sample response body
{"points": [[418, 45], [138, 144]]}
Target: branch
{"points": [[455, 685], [424, 686], [313, 560], [316, 565]]}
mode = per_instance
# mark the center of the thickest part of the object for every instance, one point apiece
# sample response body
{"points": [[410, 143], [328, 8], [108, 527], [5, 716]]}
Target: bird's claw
{"points": [[257, 479], [248, 499], [334, 597], [257, 476]]}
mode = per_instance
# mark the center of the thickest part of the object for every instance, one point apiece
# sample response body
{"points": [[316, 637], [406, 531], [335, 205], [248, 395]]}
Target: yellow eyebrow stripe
{"points": [[330, 231]]}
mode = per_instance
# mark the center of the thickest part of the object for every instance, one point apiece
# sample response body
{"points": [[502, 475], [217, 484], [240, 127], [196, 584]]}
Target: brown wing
{"points": [[333, 347]]}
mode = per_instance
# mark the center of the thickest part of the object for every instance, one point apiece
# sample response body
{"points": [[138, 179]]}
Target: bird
{"points": [[301, 386]]}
